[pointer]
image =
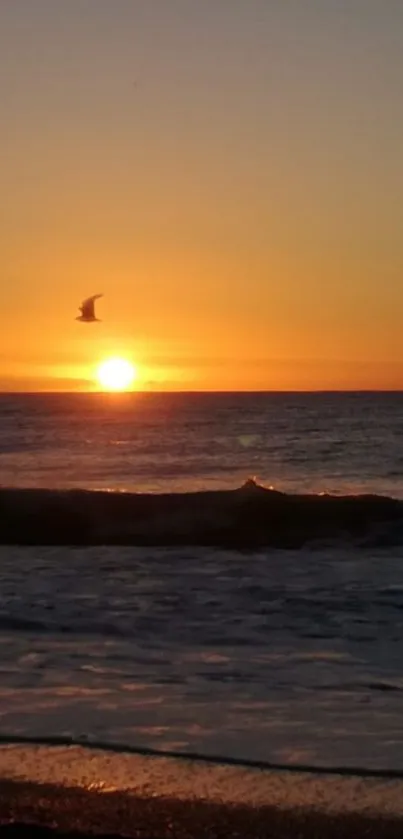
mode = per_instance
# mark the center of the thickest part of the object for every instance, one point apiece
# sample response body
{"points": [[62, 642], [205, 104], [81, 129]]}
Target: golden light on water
{"points": [[116, 374]]}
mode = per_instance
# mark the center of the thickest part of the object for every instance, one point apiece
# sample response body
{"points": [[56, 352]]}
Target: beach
{"points": [[80, 791], [34, 811]]}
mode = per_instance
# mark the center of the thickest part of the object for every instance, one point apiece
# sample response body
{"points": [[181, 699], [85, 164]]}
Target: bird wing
{"points": [[87, 307]]}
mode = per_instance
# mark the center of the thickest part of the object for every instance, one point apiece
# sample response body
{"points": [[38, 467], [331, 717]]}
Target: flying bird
{"points": [[87, 309]]}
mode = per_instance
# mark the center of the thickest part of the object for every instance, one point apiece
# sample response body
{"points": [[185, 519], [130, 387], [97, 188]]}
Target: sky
{"points": [[228, 173]]}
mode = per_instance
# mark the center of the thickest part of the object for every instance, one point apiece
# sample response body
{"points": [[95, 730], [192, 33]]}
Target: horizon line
{"points": [[196, 392]]}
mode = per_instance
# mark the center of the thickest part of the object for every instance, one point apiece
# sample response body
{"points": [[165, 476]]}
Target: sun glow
{"points": [[116, 374]]}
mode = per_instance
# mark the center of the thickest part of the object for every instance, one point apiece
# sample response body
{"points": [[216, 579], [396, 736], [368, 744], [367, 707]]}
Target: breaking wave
{"points": [[249, 517]]}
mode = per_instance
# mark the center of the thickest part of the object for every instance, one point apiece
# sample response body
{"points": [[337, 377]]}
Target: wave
{"points": [[249, 517], [91, 745]]}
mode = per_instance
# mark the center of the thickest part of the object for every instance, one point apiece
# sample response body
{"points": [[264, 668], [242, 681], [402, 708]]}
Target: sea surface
{"points": [[285, 656]]}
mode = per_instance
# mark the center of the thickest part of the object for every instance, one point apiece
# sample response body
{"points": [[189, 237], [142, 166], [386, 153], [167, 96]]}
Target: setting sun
{"points": [[116, 374]]}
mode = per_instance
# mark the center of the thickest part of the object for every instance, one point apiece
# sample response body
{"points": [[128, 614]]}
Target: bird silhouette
{"points": [[87, 309]]}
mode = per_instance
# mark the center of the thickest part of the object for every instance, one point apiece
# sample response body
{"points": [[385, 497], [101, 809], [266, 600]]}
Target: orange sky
{"points": [[228, 173]]}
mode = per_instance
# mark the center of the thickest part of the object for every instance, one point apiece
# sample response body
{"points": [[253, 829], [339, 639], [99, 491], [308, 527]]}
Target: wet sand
{"points": [[76, 790], [44, 810]]}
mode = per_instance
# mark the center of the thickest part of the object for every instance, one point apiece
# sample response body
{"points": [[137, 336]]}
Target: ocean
{"points": [[279, 654], [181, 442]]}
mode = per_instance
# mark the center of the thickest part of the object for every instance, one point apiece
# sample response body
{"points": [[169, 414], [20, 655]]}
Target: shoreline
{"points": [[38, 811], [79, 791]]}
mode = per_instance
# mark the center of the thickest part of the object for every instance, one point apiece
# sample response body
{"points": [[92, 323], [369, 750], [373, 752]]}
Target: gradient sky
{"points": [[229, 173]]}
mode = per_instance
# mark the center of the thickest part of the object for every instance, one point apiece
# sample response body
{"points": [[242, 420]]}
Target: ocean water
{"points": [[170, 442], [286, 656]]}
